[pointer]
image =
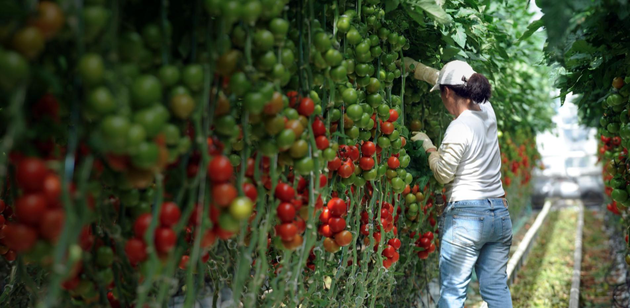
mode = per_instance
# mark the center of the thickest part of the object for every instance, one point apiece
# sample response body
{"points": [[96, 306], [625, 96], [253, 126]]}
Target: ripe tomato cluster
{"points": [[333, 225], [37, 216], [290, 225], [425, 242]]}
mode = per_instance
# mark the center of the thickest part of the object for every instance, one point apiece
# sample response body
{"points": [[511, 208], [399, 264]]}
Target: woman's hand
{"points": [[427, 144]]}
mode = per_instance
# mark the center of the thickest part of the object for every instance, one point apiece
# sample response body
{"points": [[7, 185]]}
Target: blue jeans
{"points": [[475, 233]]}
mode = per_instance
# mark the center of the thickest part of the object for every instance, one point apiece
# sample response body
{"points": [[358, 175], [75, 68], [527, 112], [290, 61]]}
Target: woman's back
{"points": [[478, 174]]}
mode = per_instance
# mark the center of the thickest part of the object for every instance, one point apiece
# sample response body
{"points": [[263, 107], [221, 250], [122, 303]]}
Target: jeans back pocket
{"points": [[467, 230]]}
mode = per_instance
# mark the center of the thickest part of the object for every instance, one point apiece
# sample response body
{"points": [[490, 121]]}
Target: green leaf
{"points": [[431, 7], [531, 29], [460, 36], [391, 5], [416, 15]]}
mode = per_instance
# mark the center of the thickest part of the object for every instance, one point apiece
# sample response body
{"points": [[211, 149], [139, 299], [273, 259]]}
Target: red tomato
{"points": [[365, 218], [395, 243], [300, 224], [424, 242], [287, 231], [223, 194], [220, 169], [285, 192], [165, 239], [368, 148], [86, 239], [393, 115], [30, 208], [389, 251], [323, 180], [423, 254], [330, 245], [396, 257], [325, 231], [366, 163], [52, 187], [30, 174], [393, 162], [2, 206], [377, 237], [51, 225], [319, 127], [387, 128], [250, 192], [354, 153], [343, 238], [214, 214], [346, 170], [136, 251], [169, 214], [334, 164], [431, 248], [209, 237], [19, 237], [387, 263], [386, 214], [322, 142], [337, 224], [324, 216], [428, 235], [286, 212], [222, 234], [307, 107], [337, 207], [365, 229], [141, 225], [293, 97]]}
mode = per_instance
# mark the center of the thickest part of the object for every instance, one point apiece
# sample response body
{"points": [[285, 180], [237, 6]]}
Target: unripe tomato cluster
{"points": [[615, 133]]}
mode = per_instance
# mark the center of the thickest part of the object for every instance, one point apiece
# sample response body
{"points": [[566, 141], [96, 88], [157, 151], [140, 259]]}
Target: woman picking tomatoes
{"points": [[476, 229]]}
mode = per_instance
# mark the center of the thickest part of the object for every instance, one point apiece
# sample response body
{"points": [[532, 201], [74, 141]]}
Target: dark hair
{"points": [[477, 88]]}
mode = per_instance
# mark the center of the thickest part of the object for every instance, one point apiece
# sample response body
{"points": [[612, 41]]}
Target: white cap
{"points": [[454, 73]]}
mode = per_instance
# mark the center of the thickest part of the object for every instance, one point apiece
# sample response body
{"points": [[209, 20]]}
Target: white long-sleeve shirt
{"points": [[469, 160]]}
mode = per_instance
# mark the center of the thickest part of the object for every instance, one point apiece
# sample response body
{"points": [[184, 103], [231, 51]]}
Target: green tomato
{"points": [[146, 155], [152, 119], [229, 223], [354, 112], [383, 142], [146, 91], [263, 40], [304, 166], [192, 76], [104, 256], [335, 115], [353, 132], [101, 101], [169, 75], [370, 175], [329, 154], [333, 57], [285, 139], [171, 134], [349, 96], [241, 208], [91, 68]]}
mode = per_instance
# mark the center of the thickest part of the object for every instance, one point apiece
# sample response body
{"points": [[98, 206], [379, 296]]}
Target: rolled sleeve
{"points": [[444, 161]]}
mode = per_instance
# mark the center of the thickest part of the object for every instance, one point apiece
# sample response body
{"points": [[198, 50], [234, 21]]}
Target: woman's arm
{"points": [[444, 162]]}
